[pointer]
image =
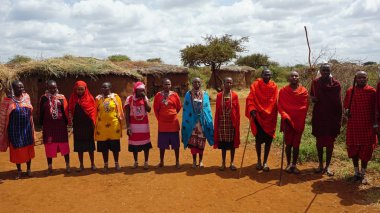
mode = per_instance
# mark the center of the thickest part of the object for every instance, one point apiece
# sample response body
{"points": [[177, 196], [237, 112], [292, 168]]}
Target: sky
{"points": [[344, 29]]}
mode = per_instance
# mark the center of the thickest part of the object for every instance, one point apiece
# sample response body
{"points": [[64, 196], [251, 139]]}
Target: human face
{"points": [[80, 91], [294, 78], [140, 93], [52, 88], [325, 72], [196, 83], [266, 75], [18, 89], [167, 85], [361, 79], [106, 89], [228, 83]]}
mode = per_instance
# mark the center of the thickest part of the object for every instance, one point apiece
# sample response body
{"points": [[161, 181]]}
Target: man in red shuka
{"points": [[327, 115], [293, 105], [261, 109], [360, 104]]}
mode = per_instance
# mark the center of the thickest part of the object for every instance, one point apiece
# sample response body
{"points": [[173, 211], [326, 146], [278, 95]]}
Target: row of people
{"points": [[100, 119]]}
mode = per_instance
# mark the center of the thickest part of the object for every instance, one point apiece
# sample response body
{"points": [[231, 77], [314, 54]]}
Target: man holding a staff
{"points": [[360, 104]]}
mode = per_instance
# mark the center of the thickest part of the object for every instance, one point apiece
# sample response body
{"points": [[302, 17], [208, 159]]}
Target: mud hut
{"points": [[67, 70], [241, 76], [153, 76]]}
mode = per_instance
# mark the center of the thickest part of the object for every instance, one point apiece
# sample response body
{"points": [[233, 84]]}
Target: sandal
{"points": [[201, 164], [266, 168], [80, 169], [259, 166], [146, 165], [328, 172], [364, 180], [296, 170], [177, 165], [160, 165], [194, 165], [318, 170], [19, 175], [289, 169], [29, 173], [117, 167], [135, 165], [105, 168], [233, 167], [223, 167]]}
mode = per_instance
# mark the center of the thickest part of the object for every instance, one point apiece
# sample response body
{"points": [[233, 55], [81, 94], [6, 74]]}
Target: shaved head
{"points": [[227, 79], [362, 73]]}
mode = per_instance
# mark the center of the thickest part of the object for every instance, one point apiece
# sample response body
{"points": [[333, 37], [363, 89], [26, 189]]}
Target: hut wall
{"points": [[180, 83], [239, 79], [35, 86]]}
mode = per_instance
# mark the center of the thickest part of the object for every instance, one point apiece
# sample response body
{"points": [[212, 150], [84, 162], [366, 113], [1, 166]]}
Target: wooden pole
{"points": [[308, 45]]}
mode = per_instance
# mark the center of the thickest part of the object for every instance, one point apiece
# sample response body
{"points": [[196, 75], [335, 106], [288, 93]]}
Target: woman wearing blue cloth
{"points": [[197, 126]]}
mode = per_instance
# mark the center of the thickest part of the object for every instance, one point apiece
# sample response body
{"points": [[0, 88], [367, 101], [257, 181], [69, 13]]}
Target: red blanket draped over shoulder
{"points": [[360, 124], [293, 106], [327, 112], [235, 118], [263, 99]]}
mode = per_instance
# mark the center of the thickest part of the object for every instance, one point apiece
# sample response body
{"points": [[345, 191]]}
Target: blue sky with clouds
{"points": [[145, 29]]}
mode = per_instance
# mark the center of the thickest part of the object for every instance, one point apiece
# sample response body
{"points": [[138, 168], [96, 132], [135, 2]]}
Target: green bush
{"points": [[118, 58], [158, 60], [18, 59]]}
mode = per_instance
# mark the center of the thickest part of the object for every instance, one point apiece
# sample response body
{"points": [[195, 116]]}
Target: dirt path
{"points": [[169, 189]]}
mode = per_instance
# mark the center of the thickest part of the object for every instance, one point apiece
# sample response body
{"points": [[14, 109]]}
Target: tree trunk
{"points": [[213, 72]]}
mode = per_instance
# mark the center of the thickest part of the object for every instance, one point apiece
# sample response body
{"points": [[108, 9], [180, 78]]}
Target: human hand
{"points": [[314, 99]]}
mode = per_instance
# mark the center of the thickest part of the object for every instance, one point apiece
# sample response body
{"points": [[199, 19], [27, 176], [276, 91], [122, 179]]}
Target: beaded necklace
{"points": [[137, 110], [53, 104], [224, 109], [197, 101]]}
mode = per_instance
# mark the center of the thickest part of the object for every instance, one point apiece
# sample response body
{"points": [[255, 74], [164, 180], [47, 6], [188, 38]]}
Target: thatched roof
{"points": [[5, 75], [235, 68], [162, 69], [70, 65]]}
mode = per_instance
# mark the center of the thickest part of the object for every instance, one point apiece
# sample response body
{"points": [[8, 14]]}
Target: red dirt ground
{"points": [[175, 190]]}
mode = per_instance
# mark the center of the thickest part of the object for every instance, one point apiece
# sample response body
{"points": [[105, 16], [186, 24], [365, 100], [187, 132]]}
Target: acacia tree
{"points": [[215, 52], [255, 60]]}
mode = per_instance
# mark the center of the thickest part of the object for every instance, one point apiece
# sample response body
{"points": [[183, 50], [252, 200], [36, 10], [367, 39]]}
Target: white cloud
{"points": [[144, 29]]}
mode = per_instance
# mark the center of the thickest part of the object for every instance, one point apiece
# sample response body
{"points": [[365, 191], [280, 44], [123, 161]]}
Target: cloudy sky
{"points": [[145, 29]]}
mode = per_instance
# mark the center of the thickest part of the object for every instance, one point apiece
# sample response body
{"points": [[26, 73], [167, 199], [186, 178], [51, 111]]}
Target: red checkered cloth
{"points": [[360, 129], [226, 129]]}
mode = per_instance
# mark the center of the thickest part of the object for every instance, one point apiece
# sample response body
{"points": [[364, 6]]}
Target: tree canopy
{"points": [[214, 52], [158, 60], [255, 60]]}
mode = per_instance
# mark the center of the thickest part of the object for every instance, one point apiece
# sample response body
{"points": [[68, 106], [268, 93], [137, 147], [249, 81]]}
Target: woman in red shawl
{"points": [[227, 123], [292, 106], [82, 114]]}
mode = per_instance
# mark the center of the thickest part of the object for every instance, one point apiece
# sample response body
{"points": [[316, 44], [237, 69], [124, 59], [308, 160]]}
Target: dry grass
{"points": [[77, 66]]}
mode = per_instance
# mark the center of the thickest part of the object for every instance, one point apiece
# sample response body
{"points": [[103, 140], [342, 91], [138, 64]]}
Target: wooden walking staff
{"points": [[282, 157], [245, 147]]}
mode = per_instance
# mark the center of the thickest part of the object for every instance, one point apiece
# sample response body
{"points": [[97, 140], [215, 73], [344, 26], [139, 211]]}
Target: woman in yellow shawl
{"points": [[108, 124]]}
